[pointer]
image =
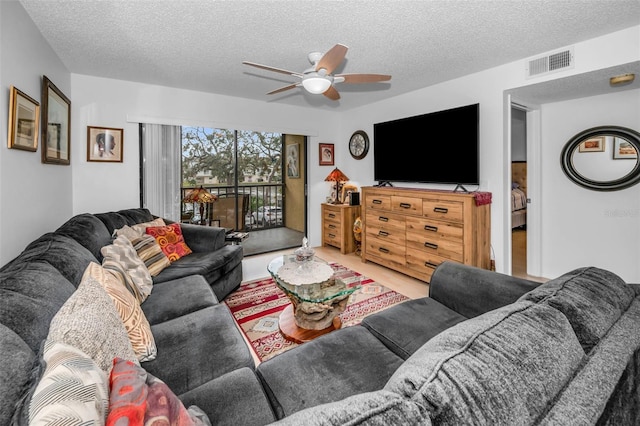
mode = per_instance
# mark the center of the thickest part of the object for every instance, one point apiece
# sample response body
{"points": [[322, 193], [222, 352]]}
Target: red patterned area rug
{"points": [[256, 306]]}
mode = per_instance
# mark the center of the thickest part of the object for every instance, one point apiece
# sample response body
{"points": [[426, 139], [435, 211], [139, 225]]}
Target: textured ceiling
{"points": [[200, 45]]}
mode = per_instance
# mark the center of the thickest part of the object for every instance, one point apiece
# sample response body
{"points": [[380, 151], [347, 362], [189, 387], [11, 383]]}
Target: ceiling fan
{"points": [[318, 79]]}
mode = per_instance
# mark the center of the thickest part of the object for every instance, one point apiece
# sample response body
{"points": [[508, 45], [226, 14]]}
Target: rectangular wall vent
{"points": [[552, 62]]}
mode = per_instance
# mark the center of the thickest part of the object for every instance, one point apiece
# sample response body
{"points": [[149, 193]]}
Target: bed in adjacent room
{"points": [[518, 194]]}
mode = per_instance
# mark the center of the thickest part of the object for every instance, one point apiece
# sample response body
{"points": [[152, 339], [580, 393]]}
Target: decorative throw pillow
{"points": [[132, 232], [150, 253], [137, 397], [72, 390], [122, 252], [136, 324], [171, 240], [88, 320]]}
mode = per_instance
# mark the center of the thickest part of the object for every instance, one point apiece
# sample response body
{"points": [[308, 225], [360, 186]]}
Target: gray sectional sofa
{"points": [[484, 348]]}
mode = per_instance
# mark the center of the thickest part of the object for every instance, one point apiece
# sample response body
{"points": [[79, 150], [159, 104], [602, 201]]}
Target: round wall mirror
{"points": [[603, 158]]}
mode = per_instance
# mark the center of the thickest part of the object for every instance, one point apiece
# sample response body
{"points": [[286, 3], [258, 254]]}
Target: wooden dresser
{"points": [[337, 226], [414, 230]]}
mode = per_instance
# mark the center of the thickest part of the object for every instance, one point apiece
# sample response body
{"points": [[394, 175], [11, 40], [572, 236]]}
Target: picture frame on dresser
{"points": [[56, 124], [24, 118]]}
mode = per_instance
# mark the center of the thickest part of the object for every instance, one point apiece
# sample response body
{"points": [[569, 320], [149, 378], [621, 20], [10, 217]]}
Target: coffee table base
{"points": [[291, 331]]}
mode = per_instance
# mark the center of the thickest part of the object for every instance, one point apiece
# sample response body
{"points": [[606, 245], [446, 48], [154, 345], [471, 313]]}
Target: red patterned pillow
{"points": [[170, 240], [138, 398]]}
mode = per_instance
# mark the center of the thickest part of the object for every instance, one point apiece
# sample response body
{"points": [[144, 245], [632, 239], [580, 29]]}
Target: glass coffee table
{"points": [[315, 306]]}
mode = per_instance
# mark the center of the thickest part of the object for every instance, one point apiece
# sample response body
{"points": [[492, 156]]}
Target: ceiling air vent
{"points": [[553, 62]]}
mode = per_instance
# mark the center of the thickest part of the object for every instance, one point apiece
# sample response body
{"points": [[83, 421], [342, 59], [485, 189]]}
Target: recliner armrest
{"points": [[472, 291], [202, 239]]}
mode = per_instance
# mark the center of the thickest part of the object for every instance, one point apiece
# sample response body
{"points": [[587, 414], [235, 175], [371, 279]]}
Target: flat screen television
{"points": [[439, 147]]}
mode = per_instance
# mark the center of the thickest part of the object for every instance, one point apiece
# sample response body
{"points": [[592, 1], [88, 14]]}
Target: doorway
{"points": [[518, 191]]}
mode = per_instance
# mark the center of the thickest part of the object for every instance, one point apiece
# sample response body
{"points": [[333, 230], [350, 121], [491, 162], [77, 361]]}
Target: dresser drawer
{"points": [[377, 202], [331, 215], [423, 263], [408, 205], [441, 247], [431, 229], [386, 221], [386, 251], [445, 210], [331, 234]]}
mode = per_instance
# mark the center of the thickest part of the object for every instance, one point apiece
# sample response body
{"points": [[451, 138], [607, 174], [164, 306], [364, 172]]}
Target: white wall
{"points": [[99, 187], [581, 227], [34, 198]]}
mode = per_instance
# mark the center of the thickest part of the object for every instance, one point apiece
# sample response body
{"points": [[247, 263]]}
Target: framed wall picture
{"points": [[595, 144], [623, 150], [293, 160], [326, 154], [104, 144], [56, 125], [24, 116]]}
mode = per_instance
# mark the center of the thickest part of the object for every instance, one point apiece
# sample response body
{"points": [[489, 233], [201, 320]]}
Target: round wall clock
{"points": [[359, 145]]}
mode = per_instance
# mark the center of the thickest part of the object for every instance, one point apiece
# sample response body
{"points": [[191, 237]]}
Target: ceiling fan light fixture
{"points": [[316, 85]]}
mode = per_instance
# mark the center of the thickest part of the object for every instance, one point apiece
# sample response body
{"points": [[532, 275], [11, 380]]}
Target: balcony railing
{"points": [[247, 207]]}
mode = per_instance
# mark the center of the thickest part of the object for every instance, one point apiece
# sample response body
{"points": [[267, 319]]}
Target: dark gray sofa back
{"points": [[472, 291], [89, 231]]}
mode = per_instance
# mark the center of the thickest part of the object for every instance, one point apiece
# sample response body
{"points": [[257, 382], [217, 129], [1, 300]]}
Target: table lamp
{"points": [[201, 196], [339, 178]]}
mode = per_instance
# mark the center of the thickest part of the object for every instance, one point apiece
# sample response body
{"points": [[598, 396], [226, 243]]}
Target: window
{"points": [[245, 166]]}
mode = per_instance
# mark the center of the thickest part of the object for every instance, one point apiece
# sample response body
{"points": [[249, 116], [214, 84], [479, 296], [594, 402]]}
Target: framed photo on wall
{"points": [[293, 160], [56, 125], [104, 144], [326, 154], [24, 116]]}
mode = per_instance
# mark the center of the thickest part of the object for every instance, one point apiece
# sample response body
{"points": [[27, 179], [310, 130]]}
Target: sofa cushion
{"points": [[182, 296], [346, 362], [211, 265], [17, 359], [370, 408], [89, 321], [62, 252], [128, 308], [609, 377], [225, 399], [30, 295], [503, 367], [170, 240], [405, 327], [198, 347], [87, 230], [71, 390], [592, 299], [122, 253], [138, 398]]}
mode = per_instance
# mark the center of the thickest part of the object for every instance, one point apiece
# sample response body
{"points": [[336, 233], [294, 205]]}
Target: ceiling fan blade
{"points": [[363, 78], [282, 89], [268, 68], [332, 93], [332, 58]]}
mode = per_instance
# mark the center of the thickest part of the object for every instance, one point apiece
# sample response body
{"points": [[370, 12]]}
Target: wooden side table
{"points": [[337, 226]]}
